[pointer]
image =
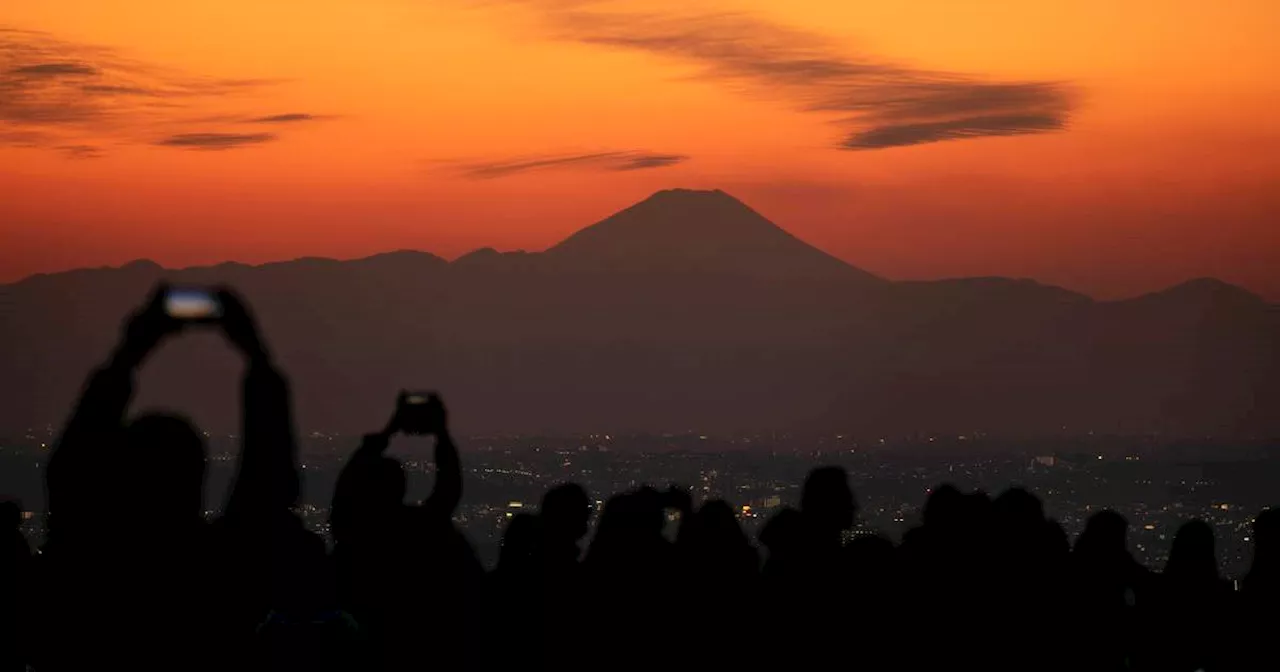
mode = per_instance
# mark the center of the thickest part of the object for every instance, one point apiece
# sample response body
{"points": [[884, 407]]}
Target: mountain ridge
{"points": [[700, 199], [149, 264], [773, 335]]}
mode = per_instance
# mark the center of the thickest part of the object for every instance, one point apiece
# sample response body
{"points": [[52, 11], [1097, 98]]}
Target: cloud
{"points": [[610, 161], [215, 141], [54, 70], [57, 94], [885, 104], [118, 90], [282, 118], [23, 138], [80, 151], [901, 135], [649, 161]]}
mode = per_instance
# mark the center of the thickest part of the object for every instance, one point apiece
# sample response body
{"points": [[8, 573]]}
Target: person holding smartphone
{"points": [[404, 570], [133, 576]]}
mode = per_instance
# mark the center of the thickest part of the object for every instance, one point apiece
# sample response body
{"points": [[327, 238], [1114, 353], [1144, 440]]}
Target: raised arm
{"points": [[447, 492], [267, 479], [95, 427]]}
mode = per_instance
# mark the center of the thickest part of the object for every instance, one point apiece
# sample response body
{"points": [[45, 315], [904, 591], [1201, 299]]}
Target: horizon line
{"points": [[143, 261], [720, 192]]}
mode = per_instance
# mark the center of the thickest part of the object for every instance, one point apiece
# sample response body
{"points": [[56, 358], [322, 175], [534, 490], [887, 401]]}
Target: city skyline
{"points": [[1157, 486]]}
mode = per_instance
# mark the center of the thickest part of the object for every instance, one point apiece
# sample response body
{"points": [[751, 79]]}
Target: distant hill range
{"points": [[687, 311]]}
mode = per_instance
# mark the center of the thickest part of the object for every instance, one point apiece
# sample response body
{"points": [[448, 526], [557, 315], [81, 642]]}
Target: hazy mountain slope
{"points": [[686, 311]]}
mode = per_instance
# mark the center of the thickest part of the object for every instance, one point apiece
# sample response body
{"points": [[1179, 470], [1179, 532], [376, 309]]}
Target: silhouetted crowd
{"points": [[133, 577]]}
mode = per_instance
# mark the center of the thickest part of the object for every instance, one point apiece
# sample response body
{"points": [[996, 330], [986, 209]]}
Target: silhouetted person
{"points": [[828, 507], [565, 515], [1262, 583], [629, 575], [406, 573], [1185, 610], [515, 599], [715, 551], [15, 577], [130, 561], [1257, 606], [564, 519], [1027, 565], [806, 572], [719, 566], [1107, 584], [946, 569], [782, 536]]}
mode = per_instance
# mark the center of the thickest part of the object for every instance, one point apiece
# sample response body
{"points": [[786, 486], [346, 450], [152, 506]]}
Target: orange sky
{"points": [[1109, 147]]}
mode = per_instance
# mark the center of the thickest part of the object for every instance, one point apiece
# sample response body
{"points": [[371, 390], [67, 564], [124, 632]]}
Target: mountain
{"points": [[687, 311], [707, 232]]}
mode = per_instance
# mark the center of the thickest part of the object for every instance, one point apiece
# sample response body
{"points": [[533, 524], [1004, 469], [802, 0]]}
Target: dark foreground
{"points": [[984, 583]]}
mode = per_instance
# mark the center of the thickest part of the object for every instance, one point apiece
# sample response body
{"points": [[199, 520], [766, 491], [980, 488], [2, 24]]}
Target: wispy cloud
{"points": [[23, 138], [886, 104], [59, 94], [80, 151], [604, 161], [215, 141], [901, 135], [291, 117], [643, 161], [118, 90], [54, 70]]}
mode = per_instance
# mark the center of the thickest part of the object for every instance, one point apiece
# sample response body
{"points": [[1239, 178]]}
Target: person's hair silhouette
{"points": [[827, 502], [565, 513], [1191, 558], [165, 444]]}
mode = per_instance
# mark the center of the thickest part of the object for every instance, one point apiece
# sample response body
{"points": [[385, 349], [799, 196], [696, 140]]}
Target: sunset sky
{"points": [[1108, 146]]}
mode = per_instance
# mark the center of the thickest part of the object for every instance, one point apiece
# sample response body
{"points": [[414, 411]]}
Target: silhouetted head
{"points": [[1104, 535], [944, 507], [1018, 508], [715, 524], [566, 512], [628, 522], [1191, 557], [10, 515], [827, 500], [162, 468]]}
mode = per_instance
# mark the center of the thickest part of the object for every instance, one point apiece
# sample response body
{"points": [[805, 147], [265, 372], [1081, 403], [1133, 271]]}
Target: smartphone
{"points": [[414, 412], [192, 304]]}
